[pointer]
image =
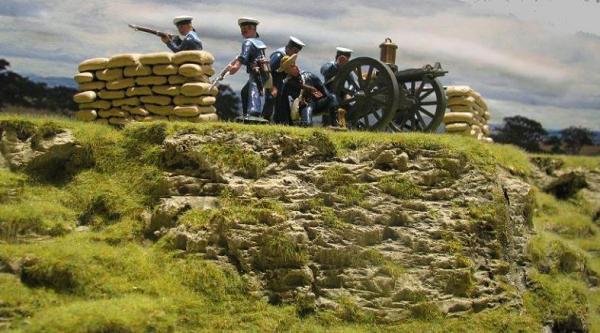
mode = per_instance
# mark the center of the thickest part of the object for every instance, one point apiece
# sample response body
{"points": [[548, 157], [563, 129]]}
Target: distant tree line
{"points": [[16, 90], [530, 135]]}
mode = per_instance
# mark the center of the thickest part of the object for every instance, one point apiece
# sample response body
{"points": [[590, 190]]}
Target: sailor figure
{"points": [[190, 41], [294, 46], [330, 69], [257, 65]]}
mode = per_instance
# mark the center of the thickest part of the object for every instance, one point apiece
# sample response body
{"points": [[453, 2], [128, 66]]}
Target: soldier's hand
{"points": [[274, 92], [165, 38], [317, 94]]}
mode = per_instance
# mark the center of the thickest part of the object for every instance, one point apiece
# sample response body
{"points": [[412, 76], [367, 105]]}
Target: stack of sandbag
{"points": [[467, 114], [147, 87]]}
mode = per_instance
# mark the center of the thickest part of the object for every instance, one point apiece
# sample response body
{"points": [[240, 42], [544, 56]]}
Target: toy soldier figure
{"points": [[258, 68], [190, 41], [294, 46], [329, 72], [313, 97]]}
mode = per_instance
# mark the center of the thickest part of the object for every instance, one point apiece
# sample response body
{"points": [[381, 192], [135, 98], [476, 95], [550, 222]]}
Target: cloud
{"points": [[525, 56]]}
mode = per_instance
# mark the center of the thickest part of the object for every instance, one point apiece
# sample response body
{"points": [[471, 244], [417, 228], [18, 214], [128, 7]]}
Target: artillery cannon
{"points": [[379, 97]]}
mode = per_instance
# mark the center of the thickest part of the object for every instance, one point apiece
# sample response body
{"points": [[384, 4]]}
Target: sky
{"points": [[539, 59]]}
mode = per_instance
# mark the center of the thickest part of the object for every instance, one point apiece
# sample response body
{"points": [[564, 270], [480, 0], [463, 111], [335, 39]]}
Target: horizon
{"points": [[531, 59]]}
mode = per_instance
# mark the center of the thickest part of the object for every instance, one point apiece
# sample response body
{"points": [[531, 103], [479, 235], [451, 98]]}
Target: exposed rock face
{"points": [[393, 230]]}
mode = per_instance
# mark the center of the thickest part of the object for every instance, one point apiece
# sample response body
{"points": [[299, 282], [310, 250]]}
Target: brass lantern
{"points": [[388, 51]]}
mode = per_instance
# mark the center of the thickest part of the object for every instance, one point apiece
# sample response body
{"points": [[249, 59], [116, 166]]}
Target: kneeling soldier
{"points": [[190, 41], [329, 72]]}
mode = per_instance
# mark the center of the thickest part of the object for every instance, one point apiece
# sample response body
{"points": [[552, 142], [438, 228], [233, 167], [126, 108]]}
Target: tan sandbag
{"points": [[487, 115], [150, 118], [480, 101], [120, 84], [467, 101], [208, 117], [86, 115], [452, 91], [136, 110], [85, 97], [159, 109], [488, 140], [462, 108], [159, 100], [123, 60], [179, 79], [208, 70], [207, 109], [196, 57], [166, 90], [111, 94], [131, 101], [138, 70], [158, 58], [97, 105], [110, 74], [84, 77], [186, 111], [486, 130], [96, 85], [113, 113], [119, 121], [199, 119], [165, 69], [101, 121], [139, 91], [198, 89], [93, 64], [190, 70], [461, 117], [457, 127], [200, 100], [476, 129], [151, 80]]}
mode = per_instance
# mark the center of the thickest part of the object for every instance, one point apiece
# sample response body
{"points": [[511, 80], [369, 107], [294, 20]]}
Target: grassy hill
{"points": [[76, 255]]}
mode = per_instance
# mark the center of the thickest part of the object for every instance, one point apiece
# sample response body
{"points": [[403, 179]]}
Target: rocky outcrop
{"points": [[393, 230]]}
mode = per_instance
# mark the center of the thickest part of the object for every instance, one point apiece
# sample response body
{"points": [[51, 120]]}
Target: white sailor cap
{"points": [[247, 20], [296, 42], [343, 50], [182, 19]]}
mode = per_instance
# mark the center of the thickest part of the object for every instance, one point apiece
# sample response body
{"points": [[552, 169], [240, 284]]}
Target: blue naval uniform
{"points": [[278, 77], [323, 105], [252, 50], [190, 42], [329, 71]]}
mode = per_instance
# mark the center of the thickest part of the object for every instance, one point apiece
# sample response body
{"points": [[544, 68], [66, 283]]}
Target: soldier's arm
{"points": [[242, 59], [174, 44]]}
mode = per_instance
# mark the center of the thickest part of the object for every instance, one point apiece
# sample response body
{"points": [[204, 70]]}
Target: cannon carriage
{"points": [[379, 97]]}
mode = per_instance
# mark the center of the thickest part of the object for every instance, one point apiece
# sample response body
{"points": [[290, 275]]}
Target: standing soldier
{"points": [[190, 41], [329, 72], [257, 65], [294, 46]]}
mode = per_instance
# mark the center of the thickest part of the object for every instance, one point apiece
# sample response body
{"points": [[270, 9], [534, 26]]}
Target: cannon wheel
{"points": [[368, 91], [427, 106]]}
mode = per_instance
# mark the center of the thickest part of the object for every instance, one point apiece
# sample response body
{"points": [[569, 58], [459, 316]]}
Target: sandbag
{"points": [[139, 70], [150, 118], [158, 58], [208, 70], [200, 100], [119, 121], [159, 100], [111, 94], [120, 84], [463, 108], [468, 101], [101, 121], [453, 91], [486, 130], [96, 85], [94, 64], [84, 77], [476, 129], [97, 105], [110, 74], [85, 97], [138, 91], [113, 113], [86, 115], [190, 70], [136, 110], [166, 90], [123, 60], [488, 140], [196, 57], [131, 101], [487, 115], [457, 127], [159, 109], [199, 119], [207, 109], [208, 117], [186, 111], [151, 80], [165, 69], [179, 79], [461, 117], [198, 89]]}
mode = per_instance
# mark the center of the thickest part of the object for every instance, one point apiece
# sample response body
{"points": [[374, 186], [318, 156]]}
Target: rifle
{"points": [[150, 31], [222, 75]]}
